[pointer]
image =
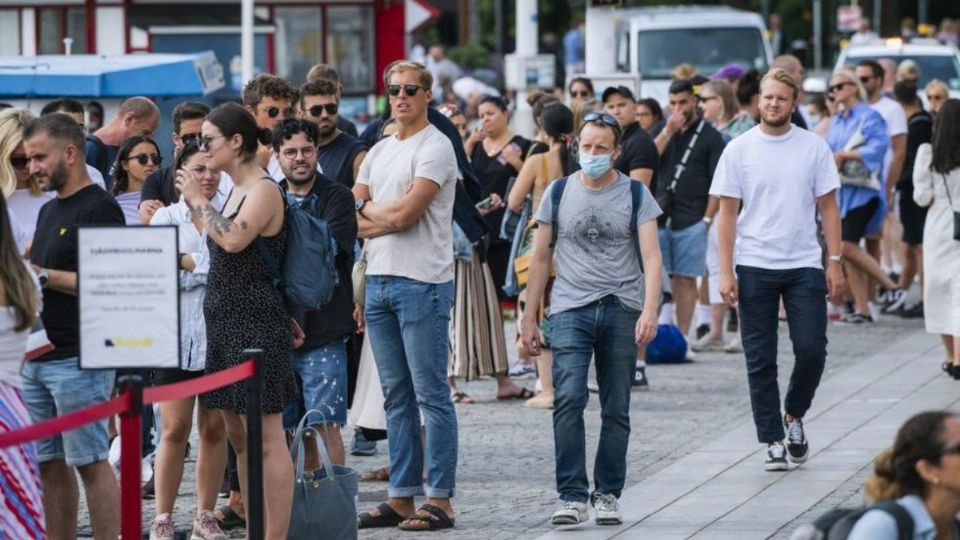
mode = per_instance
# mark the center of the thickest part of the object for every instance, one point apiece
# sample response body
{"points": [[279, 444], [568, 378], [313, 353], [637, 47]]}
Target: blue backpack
{"points": [[308, 276], [669, 347]]}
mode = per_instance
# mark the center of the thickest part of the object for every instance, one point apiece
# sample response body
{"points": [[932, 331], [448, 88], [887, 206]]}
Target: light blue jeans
{"points": [[407, 322]]}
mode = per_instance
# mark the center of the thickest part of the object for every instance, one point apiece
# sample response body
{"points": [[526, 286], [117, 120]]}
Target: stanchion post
{"points": [[130, 457], [254, 387]]}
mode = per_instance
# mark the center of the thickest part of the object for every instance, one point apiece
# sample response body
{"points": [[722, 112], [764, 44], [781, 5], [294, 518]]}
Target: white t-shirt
{"points": [[26, 207], [96, 176], [779, 180], [20, 236], [423, 252], [896, 120]]}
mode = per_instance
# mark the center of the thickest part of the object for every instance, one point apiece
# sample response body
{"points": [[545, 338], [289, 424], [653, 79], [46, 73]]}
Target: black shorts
{"points": [[912, 216], [170, 376], [854, 227]]}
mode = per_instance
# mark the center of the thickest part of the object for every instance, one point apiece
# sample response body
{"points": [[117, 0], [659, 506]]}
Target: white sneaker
{"points": [[162, 528], [607, 508], [205, 527], [691, 356], [570, 513], [113, 454], [707, 344], [734, 346]]}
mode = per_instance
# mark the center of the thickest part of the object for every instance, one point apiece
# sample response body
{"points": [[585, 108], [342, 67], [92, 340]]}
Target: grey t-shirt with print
{"points": [[595, 255]]}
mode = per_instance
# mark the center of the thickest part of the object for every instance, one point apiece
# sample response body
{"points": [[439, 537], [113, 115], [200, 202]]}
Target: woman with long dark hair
{"points": [[535, 177], [921, 472], [20, 487], [242, 308], [137, 158], [194, 264], [936, 184]]}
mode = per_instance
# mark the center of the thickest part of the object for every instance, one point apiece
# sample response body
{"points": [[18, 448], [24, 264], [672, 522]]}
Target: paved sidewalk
{"points": [[691, 439]]}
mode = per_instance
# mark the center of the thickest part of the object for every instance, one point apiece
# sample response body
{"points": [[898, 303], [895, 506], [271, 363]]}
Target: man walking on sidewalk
{"points": [[781, 175], [602, 224]]}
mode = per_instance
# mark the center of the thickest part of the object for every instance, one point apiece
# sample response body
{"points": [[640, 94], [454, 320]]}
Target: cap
{"points": [[729, 71], [622, 90]]}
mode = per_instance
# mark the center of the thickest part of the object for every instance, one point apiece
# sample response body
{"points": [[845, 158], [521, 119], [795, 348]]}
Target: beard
{"points": [[300, 179], [327, 130], [774, 121], [56, 179]]}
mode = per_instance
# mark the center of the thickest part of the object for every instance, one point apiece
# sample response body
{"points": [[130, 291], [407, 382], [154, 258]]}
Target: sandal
{"points": [[435, 520], [525, 394], [388, 517], [462, 397], [376, 475], [231, 520]]}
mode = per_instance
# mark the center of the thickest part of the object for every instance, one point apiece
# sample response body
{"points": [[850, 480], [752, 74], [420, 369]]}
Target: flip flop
{"points": [[525, 394], [435, 520], [462, 397], [231, 520], [388, 517]]}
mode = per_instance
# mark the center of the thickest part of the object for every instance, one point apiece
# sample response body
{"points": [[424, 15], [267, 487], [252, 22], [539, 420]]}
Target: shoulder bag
{"points": [[956, 215]]}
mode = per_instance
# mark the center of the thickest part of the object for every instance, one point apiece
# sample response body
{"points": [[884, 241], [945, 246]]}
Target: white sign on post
{"points": [[129, 296]]}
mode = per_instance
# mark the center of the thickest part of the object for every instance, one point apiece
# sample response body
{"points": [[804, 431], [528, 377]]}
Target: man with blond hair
{"points": [[781, 175], [404, 201]]}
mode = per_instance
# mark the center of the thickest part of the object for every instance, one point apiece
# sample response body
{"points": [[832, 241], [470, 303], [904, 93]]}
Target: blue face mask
{"points": [[595, 165]]}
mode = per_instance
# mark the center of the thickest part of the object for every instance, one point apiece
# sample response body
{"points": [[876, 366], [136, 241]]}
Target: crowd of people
{"points": [[738, 202]]}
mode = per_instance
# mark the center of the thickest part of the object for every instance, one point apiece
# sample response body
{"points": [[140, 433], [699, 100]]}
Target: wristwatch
{"points": [[359, 205], [44, 278], [707, 220], [836, 258]]}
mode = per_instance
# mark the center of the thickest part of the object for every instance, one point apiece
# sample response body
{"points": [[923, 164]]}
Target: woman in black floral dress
{"points": [[242, 308]]}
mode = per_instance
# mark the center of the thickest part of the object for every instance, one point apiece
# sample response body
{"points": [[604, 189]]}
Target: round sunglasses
{"points": [[273, 112]]}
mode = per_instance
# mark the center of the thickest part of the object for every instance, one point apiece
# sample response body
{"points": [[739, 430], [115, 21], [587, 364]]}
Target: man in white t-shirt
{"points": [[404, 193], [781, 175]]}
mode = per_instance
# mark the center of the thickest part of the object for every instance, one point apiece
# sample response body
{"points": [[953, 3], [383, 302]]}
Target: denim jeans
{"points": [[605, 330], [804, 293], [407, 322]]}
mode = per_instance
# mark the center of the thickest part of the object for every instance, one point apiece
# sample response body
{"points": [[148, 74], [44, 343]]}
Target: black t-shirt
{"points": [[797, 119], [495, 173], [336, 158], [335, 205], [102, 157], [347, 126], [637, 151], [159, 186], [919, 131], [55, 248], [693, 186]]}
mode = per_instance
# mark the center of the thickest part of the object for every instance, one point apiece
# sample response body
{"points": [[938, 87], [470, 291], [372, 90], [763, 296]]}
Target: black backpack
{"points": [[837, 523]]}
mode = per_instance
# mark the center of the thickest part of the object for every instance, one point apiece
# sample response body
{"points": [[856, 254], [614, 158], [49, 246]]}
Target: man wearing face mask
{"points": [[602, 304], [689, 150]]}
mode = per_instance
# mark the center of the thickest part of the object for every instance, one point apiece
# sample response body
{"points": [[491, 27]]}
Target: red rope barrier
{"points": [[120, 404]]}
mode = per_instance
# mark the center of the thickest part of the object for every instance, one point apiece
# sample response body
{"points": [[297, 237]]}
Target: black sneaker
{"points": [[640, 378], [703, 330], [856, 318], [797, 447], [776, 457], [913, 312], [893, 300]]}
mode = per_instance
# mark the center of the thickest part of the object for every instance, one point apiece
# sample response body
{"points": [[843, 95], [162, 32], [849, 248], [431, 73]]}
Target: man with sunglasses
{"points": [[270, 99], [158, 190], [74, 109], [327, 73], [137, 116], [339, 154]]}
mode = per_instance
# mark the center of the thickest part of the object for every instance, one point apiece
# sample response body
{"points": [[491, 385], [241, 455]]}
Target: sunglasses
{"points": [[409, 90], [19, 163], [204, 143], [934, 97], [583, 94], [707, 98], [865, 80], [605, 118], [839, 86], [272, 112], [142, 159], [331, 109], [190, 138], [955, 449]]}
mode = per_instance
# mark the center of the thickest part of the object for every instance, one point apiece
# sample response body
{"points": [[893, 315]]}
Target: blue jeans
{"points": [[605, 330], [804, 293], [322, 374], [407, 322], [57, 387]]}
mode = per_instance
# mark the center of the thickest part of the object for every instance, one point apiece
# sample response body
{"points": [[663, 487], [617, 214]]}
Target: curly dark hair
{"points": [[266, 85]]}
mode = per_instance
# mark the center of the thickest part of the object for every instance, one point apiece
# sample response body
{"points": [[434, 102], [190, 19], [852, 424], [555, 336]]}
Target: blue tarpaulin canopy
{"points": [[88, 75]]}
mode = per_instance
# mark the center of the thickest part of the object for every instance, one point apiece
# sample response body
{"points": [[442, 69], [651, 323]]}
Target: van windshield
{"points": [[709, 49]]}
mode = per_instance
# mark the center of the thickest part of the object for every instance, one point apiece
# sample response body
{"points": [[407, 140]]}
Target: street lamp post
{"points": [[246, 41]]}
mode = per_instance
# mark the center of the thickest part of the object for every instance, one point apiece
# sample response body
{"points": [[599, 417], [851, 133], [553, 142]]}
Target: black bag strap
{"points": [[555, 196], [678, 170], [900, 514]]}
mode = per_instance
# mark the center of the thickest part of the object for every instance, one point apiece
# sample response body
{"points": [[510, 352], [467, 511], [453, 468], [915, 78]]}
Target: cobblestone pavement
{"points": [[505, 486]]}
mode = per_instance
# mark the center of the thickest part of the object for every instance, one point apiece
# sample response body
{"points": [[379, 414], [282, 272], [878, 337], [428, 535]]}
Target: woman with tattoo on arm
{"points": [[242, 308]]}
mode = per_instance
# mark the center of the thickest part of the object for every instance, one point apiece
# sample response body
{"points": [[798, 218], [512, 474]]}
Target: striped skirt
{"points": [[477, 344], [21, 502]]}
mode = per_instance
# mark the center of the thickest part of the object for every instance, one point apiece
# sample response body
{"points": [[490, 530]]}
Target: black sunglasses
{"points": [[602, 117], [142, 159], [272, 112], [19, 163], [865, 80], [409, 90], [585, 93], [834, 87], [331, 109], [190, 138]]}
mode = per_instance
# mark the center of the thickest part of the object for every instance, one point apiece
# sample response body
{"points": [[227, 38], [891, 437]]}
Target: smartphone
{"points": [[484, 204]]}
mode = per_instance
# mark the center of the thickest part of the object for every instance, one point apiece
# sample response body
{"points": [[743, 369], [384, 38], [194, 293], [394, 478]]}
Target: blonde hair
{"points": [[852, 77], [908, 70], [781, 76], [586, 107], [683, 72], [12, 122], [426, 78], [937, 84], [723, 90]]}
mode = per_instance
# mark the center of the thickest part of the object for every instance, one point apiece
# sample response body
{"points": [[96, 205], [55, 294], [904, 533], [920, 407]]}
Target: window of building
{"points": [[56, 23], [298, 45], [9, 32], [349, 47]]}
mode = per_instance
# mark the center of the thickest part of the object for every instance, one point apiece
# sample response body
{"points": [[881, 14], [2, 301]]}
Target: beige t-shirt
{"points": [[423, 252]]}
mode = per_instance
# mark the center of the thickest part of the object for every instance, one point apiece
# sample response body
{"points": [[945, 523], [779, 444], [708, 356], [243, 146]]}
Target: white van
{"points": [[651, 41]]}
